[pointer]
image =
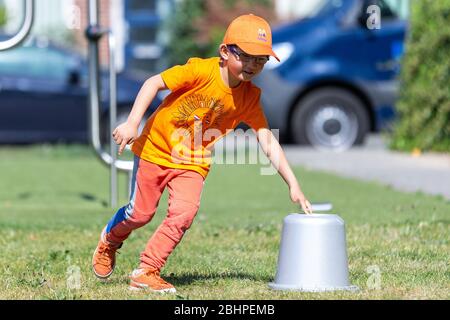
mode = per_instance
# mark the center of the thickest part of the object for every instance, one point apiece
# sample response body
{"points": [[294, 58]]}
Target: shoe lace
{"points": [[156, 274], [106, 254]]}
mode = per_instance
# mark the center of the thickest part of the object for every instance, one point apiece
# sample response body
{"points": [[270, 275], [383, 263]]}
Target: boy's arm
{"points": [[275, 153], [127, 132]]}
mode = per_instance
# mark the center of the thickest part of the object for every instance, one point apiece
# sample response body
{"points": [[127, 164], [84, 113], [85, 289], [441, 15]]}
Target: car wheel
{"points": [[329, 118]]}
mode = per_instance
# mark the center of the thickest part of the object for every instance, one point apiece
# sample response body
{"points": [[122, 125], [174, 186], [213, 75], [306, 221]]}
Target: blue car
{"points": [[337, 79], [44, 95]]}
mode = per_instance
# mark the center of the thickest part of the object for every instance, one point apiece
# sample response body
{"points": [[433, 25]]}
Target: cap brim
{"points": [[255, 49]]}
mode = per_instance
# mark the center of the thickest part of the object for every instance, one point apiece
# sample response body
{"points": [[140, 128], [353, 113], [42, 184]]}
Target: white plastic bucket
{"points": [[313, 254]]}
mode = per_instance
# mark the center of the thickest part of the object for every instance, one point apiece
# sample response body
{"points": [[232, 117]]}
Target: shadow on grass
{"points": [[92, 198], [189, 278], [24, 195]]}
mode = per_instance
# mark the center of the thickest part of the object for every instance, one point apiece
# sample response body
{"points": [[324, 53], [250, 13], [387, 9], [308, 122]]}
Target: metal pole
{"points": [[130, 180], [93, 33], [112, 117], [24, 29]]}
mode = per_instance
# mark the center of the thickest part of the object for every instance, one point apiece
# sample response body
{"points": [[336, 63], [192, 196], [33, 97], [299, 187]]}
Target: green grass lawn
{"points": [[54, 203]]}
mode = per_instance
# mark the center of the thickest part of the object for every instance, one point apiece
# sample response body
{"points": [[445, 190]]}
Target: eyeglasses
{"points": [[245, 58]]}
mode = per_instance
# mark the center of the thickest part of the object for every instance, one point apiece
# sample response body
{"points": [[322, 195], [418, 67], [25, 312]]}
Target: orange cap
{"points": [[252, 34]]}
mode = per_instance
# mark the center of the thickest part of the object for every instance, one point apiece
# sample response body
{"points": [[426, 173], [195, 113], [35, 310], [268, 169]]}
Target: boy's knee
{"points": [[181, 214], [139, 218]]}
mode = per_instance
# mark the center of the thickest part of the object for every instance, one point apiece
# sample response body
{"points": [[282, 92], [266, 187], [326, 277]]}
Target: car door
{"points": [[384, 45], [39, 101], [373, 45]]}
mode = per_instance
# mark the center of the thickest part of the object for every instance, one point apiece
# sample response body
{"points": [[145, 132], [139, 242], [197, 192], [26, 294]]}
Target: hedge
{"points": [[424, 103]]}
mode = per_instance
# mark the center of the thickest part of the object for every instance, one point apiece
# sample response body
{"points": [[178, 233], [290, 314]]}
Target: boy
{"points": [[208, 96]]}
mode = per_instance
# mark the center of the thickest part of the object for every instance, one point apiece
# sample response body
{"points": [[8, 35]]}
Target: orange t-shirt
{"points": [[200, 110]]}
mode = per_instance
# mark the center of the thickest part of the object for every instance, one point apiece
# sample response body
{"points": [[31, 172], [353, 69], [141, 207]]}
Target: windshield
{"points": [[314, 8]]}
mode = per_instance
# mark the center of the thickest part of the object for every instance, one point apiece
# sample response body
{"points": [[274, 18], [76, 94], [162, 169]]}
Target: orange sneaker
{"points": [[149, 279], [104, 259]]}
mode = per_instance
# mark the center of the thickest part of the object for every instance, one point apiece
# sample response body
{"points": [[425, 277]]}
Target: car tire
{"points": [[329, 118]]}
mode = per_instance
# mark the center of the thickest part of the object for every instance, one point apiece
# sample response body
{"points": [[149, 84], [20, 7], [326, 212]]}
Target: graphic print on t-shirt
{"points": [[197, 113]]}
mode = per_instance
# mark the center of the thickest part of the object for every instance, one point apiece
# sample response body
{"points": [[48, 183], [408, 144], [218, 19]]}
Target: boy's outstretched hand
{"points": [[124, 134], [297, 196]]}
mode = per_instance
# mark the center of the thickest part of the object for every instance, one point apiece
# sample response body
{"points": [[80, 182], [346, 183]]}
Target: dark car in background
{"points": [[337, 79], [44, 95]]}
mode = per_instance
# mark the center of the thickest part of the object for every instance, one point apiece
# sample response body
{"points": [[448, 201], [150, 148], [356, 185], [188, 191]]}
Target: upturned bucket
{"points": [[313, 254]]}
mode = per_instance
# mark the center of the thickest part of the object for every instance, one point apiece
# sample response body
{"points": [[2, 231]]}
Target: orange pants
{"points": [[148, 183]]}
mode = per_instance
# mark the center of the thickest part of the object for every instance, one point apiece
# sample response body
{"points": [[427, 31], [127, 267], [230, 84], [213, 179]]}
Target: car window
{"points": [[321, 7], [386, 9], [399, 7], [34, 62]]}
